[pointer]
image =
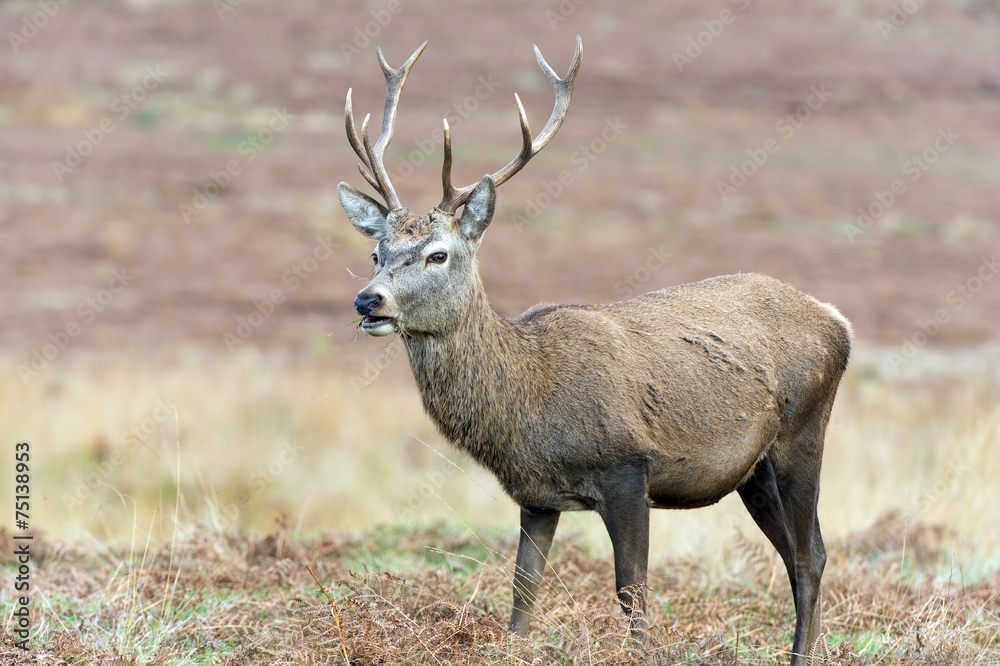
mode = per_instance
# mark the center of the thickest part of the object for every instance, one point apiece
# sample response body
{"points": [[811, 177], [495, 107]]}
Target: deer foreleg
{"points": [[537, 531], [625, 510]]}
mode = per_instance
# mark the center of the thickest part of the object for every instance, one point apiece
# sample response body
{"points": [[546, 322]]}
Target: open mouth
{"points": [[378, 325]]}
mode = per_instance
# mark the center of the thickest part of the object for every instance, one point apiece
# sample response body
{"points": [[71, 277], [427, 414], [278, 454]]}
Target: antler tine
{"points": [[394, 80], [366, 170], [352, 134], [453, 198], [446, 167], [371, 179], [372, 166]]}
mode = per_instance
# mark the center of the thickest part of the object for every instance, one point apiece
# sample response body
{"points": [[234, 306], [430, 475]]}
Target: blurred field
{"points": [[241, 461], [251, 438]]}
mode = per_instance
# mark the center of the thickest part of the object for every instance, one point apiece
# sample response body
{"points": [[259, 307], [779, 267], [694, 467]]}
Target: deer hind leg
{"points": [[624, 507], [783, 504], [537, 532], [761, 498]]}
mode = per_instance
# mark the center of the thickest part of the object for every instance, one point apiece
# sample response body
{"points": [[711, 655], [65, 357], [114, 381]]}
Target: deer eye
{"points": [[374, 258], [437, 258]]}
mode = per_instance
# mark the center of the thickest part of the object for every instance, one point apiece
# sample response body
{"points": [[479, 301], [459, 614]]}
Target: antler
{"points": [[453, 198], [372, 167]]}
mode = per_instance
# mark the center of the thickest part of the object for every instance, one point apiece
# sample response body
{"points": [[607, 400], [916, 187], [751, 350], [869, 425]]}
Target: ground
{"points": [[178, 277], [239, 599]]}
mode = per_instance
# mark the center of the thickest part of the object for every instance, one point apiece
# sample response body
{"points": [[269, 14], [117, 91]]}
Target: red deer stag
{"points": [[670, 400]]}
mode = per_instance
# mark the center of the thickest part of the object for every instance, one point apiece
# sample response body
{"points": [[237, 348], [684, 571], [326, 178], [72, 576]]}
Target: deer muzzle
{"points": [[366, 303]]}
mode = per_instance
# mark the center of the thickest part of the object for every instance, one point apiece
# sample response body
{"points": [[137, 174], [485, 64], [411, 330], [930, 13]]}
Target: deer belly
{"points": [[542, 498], [698, 474]]}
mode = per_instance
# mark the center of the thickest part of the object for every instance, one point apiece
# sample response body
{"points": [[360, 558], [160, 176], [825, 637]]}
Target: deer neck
{"points": [[471, 380]]}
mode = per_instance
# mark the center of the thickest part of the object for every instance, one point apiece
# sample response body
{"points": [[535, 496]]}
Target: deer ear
{"points": [[479, 209], [367, 215]]}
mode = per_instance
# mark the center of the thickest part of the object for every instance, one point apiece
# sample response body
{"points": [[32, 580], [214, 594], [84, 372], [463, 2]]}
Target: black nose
{"points": [[366, 303]]}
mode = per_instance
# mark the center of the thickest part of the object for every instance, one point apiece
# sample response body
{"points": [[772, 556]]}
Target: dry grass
{"points": [[234, 598], [908, 489]]}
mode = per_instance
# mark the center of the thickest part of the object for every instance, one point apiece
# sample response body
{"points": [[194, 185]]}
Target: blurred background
{"points": [[175, 329]]}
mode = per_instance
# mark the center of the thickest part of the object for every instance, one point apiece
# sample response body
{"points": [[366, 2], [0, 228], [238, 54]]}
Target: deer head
{"points": [[425, 271]]}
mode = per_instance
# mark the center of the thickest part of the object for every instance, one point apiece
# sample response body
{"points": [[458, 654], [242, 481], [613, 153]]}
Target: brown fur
{"points": [[697, 381], [673, 399]]}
